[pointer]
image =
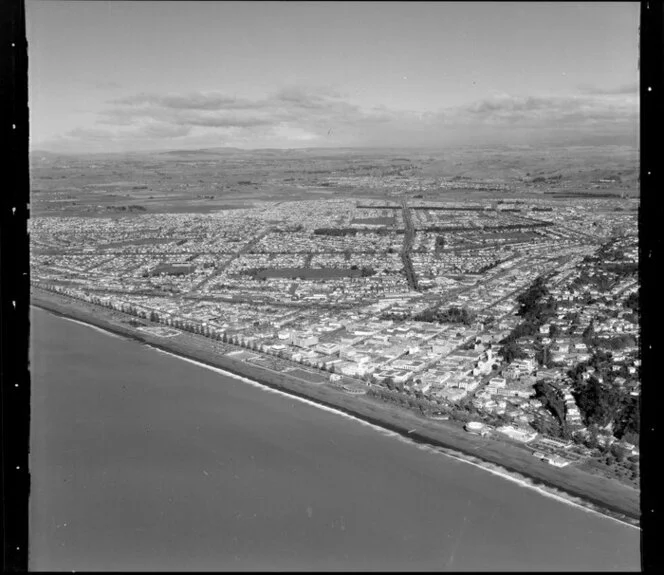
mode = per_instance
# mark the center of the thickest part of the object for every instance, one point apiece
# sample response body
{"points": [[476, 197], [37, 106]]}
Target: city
{"points": [[318, 286], [417, 303]]}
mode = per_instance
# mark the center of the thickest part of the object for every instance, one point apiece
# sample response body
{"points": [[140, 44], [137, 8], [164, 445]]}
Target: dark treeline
{"points": [[131, 208], [582, 195], [450, 208], [349, 231], [486, 228], [633, 302], [536, 307], [450, 315], [554, 402]]}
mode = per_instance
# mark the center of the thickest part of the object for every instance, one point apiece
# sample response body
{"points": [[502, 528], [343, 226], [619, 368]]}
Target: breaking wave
{"points": [[494, 469]]}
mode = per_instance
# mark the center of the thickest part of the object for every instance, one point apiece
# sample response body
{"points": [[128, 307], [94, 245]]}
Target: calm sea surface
{"points": [[142, 461]]}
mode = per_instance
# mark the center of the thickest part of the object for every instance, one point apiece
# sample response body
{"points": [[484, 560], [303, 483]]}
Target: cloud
{"points": [[154, 130], [551, 111], [222, 121], [631, 88], [311, 99], [148, 131], [312, 111], [90, 134], [191, 101], [296, 116]]}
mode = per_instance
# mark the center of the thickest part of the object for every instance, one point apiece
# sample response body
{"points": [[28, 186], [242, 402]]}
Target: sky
{"points": [[127, 76]]}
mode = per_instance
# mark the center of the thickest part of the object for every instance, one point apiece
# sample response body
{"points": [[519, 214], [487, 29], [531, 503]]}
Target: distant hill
{"points": [[583, 165]]}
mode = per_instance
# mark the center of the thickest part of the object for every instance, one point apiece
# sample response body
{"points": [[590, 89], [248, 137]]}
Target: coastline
{"points": [[514, 463]]}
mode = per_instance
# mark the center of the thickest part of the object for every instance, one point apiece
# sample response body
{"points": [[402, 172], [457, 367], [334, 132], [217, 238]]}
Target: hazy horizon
{"points": [[123, 77]]}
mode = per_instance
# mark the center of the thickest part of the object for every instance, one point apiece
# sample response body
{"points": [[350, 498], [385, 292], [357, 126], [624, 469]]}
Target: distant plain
{"points": [[228, 178]]}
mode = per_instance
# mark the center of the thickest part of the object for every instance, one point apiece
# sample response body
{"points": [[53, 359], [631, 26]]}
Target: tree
{"points": [[529, 300], [547, 426], [367, 271], [620, 453], [629, 421], [511, 351], [460, 415], [632, 301], [588, 334], [542, 356], [599, 404], [552, 399]]}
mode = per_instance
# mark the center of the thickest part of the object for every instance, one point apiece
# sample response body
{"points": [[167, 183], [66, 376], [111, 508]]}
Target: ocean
{"points": [[143, 461]]}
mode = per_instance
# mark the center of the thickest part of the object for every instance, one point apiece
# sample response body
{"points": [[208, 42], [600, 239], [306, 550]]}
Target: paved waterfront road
{"points": [[142, 461]]}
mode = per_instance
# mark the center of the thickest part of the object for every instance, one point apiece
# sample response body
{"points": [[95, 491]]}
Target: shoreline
{"points": [[425, 443], [571, 486]]}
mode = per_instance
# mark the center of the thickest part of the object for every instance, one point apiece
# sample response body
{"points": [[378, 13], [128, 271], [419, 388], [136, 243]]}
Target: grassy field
{"points": [[374, 221], [308, 375], [308, 273]]}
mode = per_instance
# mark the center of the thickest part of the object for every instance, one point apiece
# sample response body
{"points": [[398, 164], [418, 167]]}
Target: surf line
{"points": [[83, 323], [492, 468]]}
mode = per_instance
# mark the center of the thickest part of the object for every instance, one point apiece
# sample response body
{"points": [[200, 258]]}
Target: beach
{"points": [[596, 492], [143, 461]]}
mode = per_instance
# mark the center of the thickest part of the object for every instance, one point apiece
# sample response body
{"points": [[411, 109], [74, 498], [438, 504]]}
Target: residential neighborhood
{"points": [[500, 315]]}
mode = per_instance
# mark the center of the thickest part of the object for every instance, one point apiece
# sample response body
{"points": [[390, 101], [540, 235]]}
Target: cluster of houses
{"points": [[332, 321]]}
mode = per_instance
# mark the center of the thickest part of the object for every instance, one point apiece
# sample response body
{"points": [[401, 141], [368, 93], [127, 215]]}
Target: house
{"points": [[549, 374], [410, 364], [557, 461], [517, 434], [628, 447], [438, 378], [523, 365], [397, 375], [520, 392], [304, 340], [554, 443], [327, 348], [466, 383], [351, 369], [467, 356]]}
